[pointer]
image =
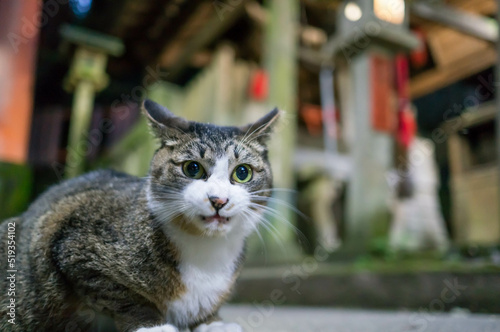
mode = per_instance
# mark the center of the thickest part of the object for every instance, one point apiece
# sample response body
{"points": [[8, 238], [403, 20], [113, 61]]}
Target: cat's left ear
{"points": [[166, 126], [262, 128]]}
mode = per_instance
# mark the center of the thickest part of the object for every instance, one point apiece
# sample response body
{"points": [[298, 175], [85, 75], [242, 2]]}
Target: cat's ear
{"points": [[166, 126], [262, 128]]}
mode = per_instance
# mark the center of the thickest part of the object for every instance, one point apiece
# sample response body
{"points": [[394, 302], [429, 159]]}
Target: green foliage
{"points": [[15, 189]]}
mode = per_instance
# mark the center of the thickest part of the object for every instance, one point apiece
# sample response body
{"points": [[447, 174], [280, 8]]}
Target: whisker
{"points": [[278, 217], [273, 190], [280, 202], [255, 227], [270, 228], [251, 139]]}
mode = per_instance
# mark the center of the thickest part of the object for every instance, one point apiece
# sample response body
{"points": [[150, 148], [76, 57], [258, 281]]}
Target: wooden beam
{"points": [[449, 46], [172, 52], [438, 78], [470, 23], [222, 18], [482, 7], [256, 12], [457, 55], [479, 7]]}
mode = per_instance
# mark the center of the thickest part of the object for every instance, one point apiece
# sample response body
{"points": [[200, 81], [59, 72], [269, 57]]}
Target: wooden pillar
{"points": [[281, 63], [371, 152]]}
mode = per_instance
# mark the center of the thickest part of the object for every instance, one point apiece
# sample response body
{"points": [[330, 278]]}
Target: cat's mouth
{"points": [[215, 218]]}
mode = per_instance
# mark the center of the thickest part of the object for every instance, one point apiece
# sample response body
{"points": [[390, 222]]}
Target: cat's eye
{"points": [[242, 173], [193, 170]]}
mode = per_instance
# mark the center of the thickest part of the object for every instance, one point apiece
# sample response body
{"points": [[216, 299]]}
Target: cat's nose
{"points": [[217, 202]]}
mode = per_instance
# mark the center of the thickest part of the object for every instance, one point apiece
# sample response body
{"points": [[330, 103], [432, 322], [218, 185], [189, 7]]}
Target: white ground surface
{"points": [[297, 319]]}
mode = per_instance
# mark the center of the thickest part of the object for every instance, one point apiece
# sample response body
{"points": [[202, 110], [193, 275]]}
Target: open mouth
{"points": [[215, 218]]}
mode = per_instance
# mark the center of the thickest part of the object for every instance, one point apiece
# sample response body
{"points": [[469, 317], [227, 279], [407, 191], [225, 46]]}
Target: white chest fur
{"points": [[207, 267]]}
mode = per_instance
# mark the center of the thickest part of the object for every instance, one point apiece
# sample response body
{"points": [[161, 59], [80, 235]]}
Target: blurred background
{"points": [[388, 144]]}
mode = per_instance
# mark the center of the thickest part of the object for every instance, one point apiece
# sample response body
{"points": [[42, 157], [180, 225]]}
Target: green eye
{"points": [[193, 170], [242, 173]]}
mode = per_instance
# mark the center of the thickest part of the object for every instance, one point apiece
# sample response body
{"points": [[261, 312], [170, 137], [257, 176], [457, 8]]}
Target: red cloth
{"points": [[407, 126], [259, 85]]}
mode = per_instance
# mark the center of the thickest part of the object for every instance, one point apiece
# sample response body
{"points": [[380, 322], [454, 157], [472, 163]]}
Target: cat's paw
{"points": [[219, 327], [163, 328]]}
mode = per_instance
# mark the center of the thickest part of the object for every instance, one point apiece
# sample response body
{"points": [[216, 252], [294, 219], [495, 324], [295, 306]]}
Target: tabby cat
{"points": [[160, 253]]}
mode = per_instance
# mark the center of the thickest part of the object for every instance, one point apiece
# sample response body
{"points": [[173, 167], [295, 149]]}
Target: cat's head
{"points": [[205, 179]]}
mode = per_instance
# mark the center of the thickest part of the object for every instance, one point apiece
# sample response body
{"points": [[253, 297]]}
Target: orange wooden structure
{"points": [[383, 112], [19, 27]]}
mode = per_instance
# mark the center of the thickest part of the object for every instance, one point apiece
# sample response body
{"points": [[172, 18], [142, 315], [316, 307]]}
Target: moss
{"points": [[15, 189]]}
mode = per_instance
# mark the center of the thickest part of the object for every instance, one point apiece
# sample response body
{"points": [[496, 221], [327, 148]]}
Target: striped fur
{"points": [[139, 250]]}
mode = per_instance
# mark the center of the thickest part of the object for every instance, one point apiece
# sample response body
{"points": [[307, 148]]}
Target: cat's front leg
{"points": [[219, 326], [162, 328]]}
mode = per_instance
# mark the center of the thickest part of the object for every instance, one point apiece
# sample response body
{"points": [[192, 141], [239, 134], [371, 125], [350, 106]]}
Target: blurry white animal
{"points": [[417, 220]]}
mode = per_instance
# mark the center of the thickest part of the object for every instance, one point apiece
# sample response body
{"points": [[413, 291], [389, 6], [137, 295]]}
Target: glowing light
{"points": [[81, 7], [352, 12], [392, 11]]}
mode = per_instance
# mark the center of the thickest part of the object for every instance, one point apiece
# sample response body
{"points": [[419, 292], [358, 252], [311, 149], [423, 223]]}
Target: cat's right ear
{"points": [[166, 126]]}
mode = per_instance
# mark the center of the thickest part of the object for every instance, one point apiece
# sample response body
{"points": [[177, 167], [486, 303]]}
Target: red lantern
{"points": [[259, 85]]}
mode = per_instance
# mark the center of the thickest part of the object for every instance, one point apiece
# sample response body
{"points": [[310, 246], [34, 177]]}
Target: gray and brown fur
{"points": [[90, 245]]}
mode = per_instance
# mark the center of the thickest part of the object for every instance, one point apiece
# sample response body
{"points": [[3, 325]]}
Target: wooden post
{"points": [[83, 105], [281, 47], [87, 75], [497, 78], [368, 192]]}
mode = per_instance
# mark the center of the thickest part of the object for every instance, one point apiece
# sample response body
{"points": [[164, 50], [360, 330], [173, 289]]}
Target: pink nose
{"points": [[217, 202]]}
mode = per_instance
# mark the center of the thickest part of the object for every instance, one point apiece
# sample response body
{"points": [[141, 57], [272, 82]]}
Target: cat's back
{"points": [[99, 196], [91, 191], [87, 205], [99, 186]]}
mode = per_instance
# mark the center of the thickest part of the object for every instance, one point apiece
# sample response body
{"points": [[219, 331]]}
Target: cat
{"points": [[159, 253]]}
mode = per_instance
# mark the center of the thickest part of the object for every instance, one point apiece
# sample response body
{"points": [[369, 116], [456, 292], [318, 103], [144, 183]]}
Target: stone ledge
{"points": [[435, 291]]}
